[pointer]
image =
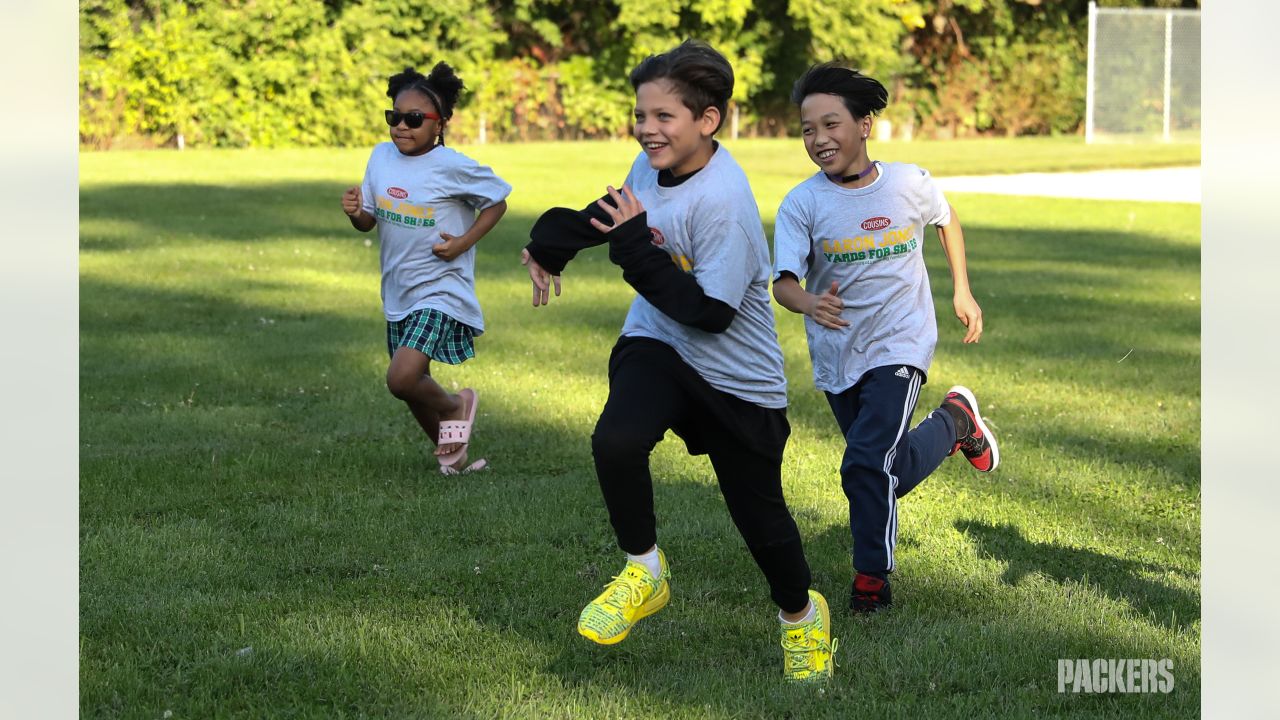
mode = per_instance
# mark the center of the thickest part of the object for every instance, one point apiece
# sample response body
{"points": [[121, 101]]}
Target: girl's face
{"points": [[666, 129], [416, 141], [835, 139]]}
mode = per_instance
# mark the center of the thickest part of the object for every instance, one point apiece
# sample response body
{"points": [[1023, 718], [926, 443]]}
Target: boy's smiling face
{"points": [[835, 139], [667, 130]]}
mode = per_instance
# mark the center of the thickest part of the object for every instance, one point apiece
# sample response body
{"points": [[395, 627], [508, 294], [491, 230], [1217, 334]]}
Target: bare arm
{"points": [[351, 205], [951, 236], [824, 309], [454, 245]]}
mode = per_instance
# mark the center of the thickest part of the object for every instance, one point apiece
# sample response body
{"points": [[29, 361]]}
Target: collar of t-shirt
{"points": [[668, 179]]}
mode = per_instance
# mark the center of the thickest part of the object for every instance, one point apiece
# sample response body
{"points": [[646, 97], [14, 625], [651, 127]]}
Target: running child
{"points": [[698, 352], [424, 198], [854, 233]]}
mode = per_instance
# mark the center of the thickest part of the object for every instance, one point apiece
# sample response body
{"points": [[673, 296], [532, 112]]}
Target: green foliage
{"points": [[1004, 66], [270, 73], [1036, 87], [867, 34], [150, 79], [593, 106], [262, 73]]}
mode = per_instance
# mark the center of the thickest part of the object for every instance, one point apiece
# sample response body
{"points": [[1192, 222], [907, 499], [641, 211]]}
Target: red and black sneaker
{"points": [[973, 438], [869, 594]]}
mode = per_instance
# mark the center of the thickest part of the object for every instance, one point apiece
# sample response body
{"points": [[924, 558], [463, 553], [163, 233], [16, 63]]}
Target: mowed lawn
{"points": [[263, 532]]}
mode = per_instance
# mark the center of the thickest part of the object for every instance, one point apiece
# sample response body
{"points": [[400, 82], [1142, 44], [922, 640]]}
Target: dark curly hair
{"points": [[442, 87], [701, 76], [861, 94]]}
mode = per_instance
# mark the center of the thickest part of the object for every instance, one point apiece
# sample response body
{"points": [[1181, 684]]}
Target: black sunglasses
{"points": [[413, 119]]}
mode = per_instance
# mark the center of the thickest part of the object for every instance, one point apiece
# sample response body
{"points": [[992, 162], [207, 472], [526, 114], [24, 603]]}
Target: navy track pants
{"points": [[882, 459]]}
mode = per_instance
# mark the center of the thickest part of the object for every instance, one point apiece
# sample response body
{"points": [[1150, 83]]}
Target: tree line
{"points": [[273, 73]]}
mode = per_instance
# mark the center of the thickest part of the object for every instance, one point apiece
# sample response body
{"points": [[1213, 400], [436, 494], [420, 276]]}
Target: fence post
{"points": [[1168, 70], [482, 128], [1088, 94]]}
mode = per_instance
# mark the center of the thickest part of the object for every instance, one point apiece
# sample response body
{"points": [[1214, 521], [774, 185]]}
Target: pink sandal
{"points": [[458, 431], [473, 467]]}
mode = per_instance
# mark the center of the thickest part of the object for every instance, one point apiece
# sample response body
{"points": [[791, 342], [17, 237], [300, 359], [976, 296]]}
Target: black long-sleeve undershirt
{"points": [[560, 233]]}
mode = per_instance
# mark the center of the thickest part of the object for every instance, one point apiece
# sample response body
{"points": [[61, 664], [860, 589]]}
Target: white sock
{"points": [[649, 560], [813, 610]]}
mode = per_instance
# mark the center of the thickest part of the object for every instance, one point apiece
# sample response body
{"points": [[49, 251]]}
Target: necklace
{"points": [[855, 176]]}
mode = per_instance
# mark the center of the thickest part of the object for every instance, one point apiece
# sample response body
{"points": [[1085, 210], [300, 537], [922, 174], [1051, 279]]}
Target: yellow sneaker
{"points": [[633, 595], [808, 649]]}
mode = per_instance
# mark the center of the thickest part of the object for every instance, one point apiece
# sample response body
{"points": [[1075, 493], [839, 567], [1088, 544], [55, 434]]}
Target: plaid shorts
{"points": [[434, 334]]}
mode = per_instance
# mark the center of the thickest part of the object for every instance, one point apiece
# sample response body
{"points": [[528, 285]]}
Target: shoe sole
{"points": [[871, 609], [967, 394], [653, 605]]}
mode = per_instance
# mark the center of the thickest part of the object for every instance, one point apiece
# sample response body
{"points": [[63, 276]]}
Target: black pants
{"points": [[651, 390], [882, 460]]}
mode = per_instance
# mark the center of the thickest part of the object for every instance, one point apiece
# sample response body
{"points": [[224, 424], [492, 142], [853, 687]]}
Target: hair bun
{"points": [[446, 83], [442, 86]]}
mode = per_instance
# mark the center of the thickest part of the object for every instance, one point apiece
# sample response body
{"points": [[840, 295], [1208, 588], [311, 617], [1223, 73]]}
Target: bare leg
{"points": [[409, 379]]}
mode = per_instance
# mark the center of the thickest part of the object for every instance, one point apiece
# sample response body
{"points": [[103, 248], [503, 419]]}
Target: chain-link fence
{"points": [[1144, 75]]}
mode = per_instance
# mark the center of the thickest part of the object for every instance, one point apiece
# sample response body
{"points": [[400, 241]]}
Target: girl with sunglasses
{"points": [[431, 205]]}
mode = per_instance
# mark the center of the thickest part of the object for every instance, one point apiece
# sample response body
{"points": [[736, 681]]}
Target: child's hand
{"points": [[451, 248], [825, 308], [970, 315], [351, 204], [628, 207], [542, 280]]}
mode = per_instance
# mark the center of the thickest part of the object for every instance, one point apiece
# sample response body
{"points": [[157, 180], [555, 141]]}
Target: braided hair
{"points": [[442, 87]]}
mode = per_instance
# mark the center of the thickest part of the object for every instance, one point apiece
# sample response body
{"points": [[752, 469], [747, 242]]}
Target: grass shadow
{"points": [[1119, 578]]}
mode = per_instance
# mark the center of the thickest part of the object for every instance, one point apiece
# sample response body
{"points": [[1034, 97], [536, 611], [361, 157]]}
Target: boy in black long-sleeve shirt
{"points": [[698, 352]]}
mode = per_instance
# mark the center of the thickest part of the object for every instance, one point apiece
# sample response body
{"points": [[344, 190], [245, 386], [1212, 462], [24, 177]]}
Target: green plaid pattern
{"points": [[434, 334]]}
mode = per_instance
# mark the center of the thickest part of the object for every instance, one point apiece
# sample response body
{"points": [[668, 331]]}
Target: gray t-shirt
{"points": [[414, 199], [710, 225], [870, 241]]}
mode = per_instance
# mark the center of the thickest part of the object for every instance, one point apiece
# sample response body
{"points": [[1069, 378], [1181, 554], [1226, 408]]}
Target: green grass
{"points": [[247, 482]]}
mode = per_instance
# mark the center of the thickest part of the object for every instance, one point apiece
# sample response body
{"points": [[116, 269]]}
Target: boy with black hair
{"points": [[698, 352], [854, 232]]}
